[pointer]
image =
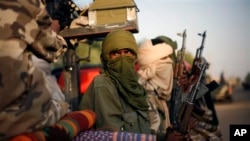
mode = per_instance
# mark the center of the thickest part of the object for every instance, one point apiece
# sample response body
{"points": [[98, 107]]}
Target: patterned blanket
{"points": [[96, 135], [65, 130], [76, 126]]}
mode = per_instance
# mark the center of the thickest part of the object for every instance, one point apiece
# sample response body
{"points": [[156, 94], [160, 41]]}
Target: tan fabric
{"points": [[157, 106], [147, 53], [156, 75], [159, 77]]}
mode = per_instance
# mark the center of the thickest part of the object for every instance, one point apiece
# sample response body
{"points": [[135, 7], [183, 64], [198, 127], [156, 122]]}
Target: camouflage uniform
{"points": [[25, 101]]}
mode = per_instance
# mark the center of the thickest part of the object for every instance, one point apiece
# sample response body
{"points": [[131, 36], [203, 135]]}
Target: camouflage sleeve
{"points": [[47, 44], [26, 102]]}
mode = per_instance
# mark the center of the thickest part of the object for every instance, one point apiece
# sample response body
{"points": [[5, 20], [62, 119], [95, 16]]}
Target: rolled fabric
{"points": [[64, 130]]}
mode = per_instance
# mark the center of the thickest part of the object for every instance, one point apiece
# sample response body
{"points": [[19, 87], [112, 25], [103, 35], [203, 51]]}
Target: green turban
{"points": [[117, 40], [169, 41], [172, 43]]}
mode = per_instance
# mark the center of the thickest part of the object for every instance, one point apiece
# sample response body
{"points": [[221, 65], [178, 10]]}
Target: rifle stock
{"points": [[184, 116]]}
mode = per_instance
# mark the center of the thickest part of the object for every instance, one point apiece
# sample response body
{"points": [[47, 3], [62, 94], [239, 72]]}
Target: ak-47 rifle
{"points": [[204, 88], [194, 73], [187, 106], [176, 96], [198, 56], [179, 67]]}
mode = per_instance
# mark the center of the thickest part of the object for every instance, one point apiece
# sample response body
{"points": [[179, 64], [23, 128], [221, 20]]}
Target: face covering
{"points": [[122, 72], [158, 76]]}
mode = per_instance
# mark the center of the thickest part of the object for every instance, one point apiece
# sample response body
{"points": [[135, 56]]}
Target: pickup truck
{"points": [[86, 76]]}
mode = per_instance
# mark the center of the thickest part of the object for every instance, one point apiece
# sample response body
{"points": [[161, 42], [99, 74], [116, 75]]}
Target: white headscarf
{"points": [[156, 69], [156, 76]]}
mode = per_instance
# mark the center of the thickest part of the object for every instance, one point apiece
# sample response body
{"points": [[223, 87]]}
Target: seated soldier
{"points": [[156, 76], [119, 101]]}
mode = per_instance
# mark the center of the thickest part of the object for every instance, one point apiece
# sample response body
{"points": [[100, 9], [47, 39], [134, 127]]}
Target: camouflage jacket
{"points": [[26, 103]]}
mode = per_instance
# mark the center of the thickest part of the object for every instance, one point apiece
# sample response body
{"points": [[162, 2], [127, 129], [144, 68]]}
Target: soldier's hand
{"points": [[175, 136], [187, 137], [183, 81], [55, 26]]}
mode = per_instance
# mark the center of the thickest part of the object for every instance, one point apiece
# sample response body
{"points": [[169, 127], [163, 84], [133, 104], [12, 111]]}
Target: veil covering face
{"points": [[155, 68], [121, 70], [156, 76]]}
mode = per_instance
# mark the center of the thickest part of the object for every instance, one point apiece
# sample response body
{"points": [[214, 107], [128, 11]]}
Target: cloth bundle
{"points": [[64, 130], [99, 135]]}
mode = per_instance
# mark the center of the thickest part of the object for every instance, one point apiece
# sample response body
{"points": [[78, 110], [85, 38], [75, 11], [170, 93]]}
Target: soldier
{"points": [[156, 59], [156, 76], [119, 101], [116, 90], [26, 102]]}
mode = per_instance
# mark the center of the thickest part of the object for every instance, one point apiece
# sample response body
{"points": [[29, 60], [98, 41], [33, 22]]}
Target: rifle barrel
{"points": [[202, 44]]}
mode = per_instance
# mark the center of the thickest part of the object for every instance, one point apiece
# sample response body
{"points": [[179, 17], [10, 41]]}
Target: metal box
{"points": [[112, 13]]}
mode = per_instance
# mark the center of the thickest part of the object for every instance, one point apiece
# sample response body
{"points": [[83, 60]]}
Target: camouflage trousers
{"points": [[26, 103]]}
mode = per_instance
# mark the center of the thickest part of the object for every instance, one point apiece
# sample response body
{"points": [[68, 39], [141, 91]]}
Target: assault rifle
{"points": [[179, 67], [187, 106], [198, 56], [176, 98], [195, 71]]}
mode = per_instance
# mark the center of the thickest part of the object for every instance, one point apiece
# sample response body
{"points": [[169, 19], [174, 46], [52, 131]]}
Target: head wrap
{"points": [[121, 69], [172, 43], [149, 53], [116, 40], [156, 76], [169, 41], [156, 70]]}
